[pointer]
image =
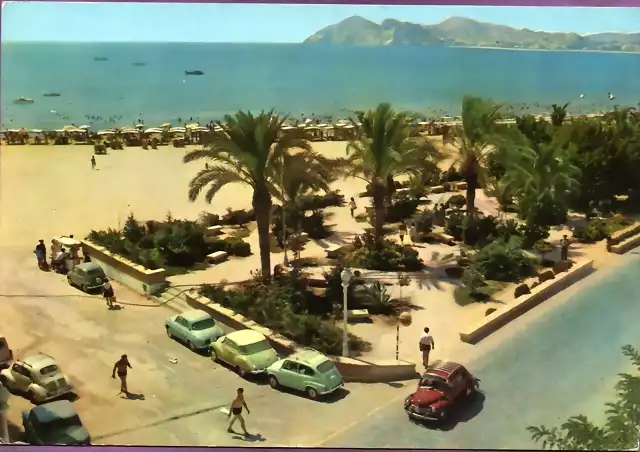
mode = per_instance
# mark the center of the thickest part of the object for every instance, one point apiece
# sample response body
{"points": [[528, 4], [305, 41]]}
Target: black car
{"points": [[54, 423]]}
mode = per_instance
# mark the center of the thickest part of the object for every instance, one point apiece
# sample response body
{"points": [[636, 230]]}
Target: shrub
{"points": [[317, 202], [451, 175], [423, 222], [479, 231], [594, 231], [508, 228], [385, 256], [531, 234], [237, 217], [279, 305], [207, 219], [401, 209], [314, 226], [503, 261], [454, 225], [238, 247], [457, 201]]}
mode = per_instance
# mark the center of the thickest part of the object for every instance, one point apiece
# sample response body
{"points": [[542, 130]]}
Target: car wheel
{"points": [[169, 333], [240, 371], [83, 288], [69, 281], [312, 393], [192, 346], [32, 397], [214, 355], [273, 382]]}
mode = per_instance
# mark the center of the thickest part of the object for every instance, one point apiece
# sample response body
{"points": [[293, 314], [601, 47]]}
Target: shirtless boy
{"points": [[121, 366], [236, 410]]}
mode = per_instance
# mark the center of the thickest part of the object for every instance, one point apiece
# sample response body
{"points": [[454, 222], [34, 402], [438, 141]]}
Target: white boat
{"points": [[23, 100]]}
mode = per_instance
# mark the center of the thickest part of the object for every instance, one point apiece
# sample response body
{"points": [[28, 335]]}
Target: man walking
{"points": [[122, 366], [236, 411], [93, 162], [108, 293], [352, 207], [426, 345], [564, 248]]}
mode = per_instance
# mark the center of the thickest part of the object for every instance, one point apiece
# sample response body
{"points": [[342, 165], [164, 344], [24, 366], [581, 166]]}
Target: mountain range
{"points": [[463, 32]]}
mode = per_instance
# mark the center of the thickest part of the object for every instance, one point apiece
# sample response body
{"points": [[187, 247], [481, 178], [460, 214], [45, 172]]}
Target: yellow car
{"points": [[247, 351]]}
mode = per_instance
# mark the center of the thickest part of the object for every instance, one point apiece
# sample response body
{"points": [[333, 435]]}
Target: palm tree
{"points": [[247, 150], [542, 177], [476, 141], [558, 114], [387, 145]]}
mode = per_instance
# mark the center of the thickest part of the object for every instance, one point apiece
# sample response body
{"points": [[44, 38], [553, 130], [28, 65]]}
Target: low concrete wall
{"points": [[624, 234], [352, 369], [626, 245], [540, 293], [124, 271]]}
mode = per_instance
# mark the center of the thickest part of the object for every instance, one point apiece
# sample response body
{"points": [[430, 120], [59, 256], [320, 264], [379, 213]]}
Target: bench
{"points": [[333, 251], [213, 230], [217, 257], [358, 314]]}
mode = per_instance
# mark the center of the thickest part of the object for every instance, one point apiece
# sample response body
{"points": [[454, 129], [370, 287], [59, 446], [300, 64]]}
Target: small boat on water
{"points": [[193, 73], [23, 100], [139, 63], [51, 94], [101, 59]]}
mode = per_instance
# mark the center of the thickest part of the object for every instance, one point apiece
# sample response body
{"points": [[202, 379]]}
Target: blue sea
{"points": [[294, 79]]}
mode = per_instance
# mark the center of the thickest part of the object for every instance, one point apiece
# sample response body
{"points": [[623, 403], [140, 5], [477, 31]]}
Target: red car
{"points": [[441, 389]]}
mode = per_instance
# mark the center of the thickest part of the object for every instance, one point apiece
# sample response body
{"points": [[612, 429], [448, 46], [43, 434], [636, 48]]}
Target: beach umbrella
{"points": [[140, 126], [35, 131], [308, 121], [322, 125], [195, 125], [177, 130], [201, 129], [13, 130], [301, 126], [106, 132], [85, 127], [349, 126], [70, 127], [218, 129], [60, 130], [288, 127], [166, 124], [153, 130]]}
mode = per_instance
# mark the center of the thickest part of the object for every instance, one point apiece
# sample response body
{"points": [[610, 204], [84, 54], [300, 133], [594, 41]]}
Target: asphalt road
{"points": [[562, 361], [178, 403]]}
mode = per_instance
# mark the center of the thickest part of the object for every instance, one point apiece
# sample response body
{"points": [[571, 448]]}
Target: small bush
{"points": [[423, 222], [457, 201], [454, 225], [596, 230], [531, 234], [401, 209], [479, 231], [238, 247], [237, 217], [317, 202], [503, 261], [207, 219], [507, 229], [384, 256]]}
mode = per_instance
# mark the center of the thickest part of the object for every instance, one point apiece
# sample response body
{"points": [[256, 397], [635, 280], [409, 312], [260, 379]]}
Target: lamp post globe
{"points": [[345, 276]]}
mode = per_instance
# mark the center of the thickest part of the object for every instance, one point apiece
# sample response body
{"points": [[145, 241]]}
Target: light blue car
{"points": [[195, 328]]}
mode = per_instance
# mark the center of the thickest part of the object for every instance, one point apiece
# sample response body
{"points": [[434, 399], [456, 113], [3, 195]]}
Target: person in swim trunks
{"points": [[236, 410], [121, 366]]}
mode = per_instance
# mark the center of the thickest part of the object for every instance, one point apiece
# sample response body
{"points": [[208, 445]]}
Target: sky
{"points": [[164, 22]]}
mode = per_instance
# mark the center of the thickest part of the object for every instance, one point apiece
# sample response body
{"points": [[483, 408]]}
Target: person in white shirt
{"points": [[426, 345], [108, 293]]}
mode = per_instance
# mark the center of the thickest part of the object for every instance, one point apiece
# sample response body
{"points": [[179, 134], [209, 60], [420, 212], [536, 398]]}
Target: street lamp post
{"points": [[284, 221], [346, 276]]}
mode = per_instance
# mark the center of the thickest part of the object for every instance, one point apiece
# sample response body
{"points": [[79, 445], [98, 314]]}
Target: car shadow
{"points": [[464, 412], [334, 397], [260, 380]]}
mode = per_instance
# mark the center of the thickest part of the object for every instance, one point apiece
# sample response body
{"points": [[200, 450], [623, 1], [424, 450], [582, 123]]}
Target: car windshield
{"points": [[54, 428], [256, 347], [49, 370], [434, 382], [203, 324], [326, 366], [95, 272]]}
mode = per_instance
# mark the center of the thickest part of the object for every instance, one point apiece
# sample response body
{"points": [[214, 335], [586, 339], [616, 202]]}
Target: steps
{"points": [[174, 298]]}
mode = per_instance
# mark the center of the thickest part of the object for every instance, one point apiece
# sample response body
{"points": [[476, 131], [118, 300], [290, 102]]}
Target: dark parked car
{"points": [[442, 388], [54, 423], [87, 276]]}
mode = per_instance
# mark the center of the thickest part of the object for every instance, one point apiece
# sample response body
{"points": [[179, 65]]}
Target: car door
{"points": [[289, 374], [306, 375], [231, 352], [21, 376], [180, 328], [222, 349], [456, 384]]}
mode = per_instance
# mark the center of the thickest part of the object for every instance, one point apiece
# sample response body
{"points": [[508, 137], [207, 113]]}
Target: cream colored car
{"points": [[38, 376]]}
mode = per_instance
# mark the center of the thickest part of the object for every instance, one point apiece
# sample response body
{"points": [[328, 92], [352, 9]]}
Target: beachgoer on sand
{"points": [[426, 345], [402, 231], [93, 162], [352, 207], [108, 293], [122, 366], [564, 248], [236, 411]]}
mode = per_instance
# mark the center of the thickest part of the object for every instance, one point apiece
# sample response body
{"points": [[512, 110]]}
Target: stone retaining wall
{"points": [[124, 271], [352, 369], [515, 309]]}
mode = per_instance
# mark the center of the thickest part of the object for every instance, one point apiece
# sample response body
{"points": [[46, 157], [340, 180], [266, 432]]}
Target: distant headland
{"points": [[463, 32]]}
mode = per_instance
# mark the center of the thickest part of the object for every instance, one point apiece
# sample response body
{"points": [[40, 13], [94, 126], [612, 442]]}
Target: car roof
{"points": [[39, 360], [308, 356], [86, 266], [49, 412], [246, 337], [442, 369], [195, 315]]}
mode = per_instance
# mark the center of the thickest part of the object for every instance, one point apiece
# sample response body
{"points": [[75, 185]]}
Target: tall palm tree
{"points": [[559, 114], [539, 177], [477, 139], [247, 150], [387, 145]]}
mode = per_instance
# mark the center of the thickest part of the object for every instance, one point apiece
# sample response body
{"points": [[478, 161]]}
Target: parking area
{"points": [[179, 393]]}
